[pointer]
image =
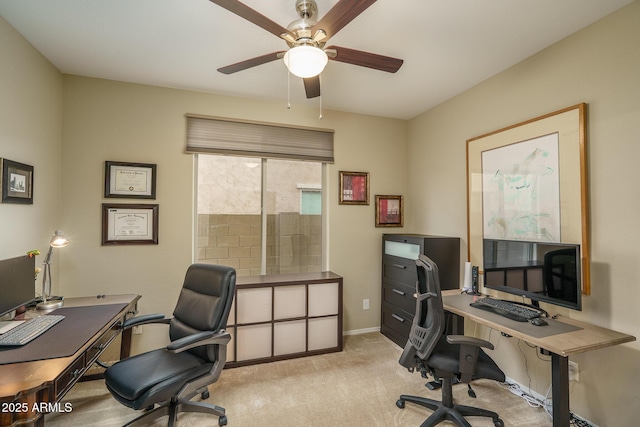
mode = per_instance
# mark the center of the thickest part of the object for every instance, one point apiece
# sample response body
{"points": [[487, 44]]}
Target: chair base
{"points": [[454, 413], [173, 408]]}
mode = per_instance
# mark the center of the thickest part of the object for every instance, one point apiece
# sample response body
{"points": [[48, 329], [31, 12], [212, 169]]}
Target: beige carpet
{"points": [[357, 387]]}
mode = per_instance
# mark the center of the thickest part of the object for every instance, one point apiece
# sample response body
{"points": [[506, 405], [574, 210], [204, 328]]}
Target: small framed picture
{"points": [[129, 180], [124, 224], [17, 182], [389, 211], [354, 188]]}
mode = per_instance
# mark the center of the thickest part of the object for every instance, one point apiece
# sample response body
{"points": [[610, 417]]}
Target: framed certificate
{"points": [[129, 180], [124, 224]]}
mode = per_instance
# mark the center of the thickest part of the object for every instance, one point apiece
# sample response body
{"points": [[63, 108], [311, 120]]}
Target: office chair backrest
{"points": [[559, 274], [204, 304], [428, 323]]}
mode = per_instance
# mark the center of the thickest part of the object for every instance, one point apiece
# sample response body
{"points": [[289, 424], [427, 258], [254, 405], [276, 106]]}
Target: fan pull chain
{"points": [[288, 90], [320, 81]]}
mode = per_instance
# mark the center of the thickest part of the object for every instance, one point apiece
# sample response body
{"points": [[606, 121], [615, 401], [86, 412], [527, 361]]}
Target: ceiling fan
{"points": [[306, 38]]}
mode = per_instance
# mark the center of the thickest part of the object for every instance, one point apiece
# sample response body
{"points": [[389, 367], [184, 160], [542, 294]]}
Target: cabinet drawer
{"points": [[68, 377], [399, 272], [396, 320], [102, 343], [400, 296]]}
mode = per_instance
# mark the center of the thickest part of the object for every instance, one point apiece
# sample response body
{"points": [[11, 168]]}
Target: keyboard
{"points": [[28, 331], [506, 309]]}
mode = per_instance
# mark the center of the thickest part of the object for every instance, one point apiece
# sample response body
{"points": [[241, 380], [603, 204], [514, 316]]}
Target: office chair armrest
{"points": [[199, 339], [144, 319], [469, 349], [465, 340]]}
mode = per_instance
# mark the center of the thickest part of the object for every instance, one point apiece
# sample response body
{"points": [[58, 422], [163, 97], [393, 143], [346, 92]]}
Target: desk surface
{"points": [[16, 378], [563, 336]]}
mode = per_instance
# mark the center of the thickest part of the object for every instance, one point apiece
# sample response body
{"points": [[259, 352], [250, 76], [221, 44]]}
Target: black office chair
{"points": [[559, 274], [446, 357], [171, 376]]}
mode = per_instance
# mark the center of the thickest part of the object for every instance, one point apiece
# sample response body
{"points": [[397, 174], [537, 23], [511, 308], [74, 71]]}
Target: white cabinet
{"points": [[285, 316]]}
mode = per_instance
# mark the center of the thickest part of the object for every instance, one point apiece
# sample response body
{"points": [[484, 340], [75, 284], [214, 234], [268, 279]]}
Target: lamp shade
{"points": [[58, 240], [305, 61]]}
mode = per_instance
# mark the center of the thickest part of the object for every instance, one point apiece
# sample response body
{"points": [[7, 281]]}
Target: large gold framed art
{"points": [[528, 182]]}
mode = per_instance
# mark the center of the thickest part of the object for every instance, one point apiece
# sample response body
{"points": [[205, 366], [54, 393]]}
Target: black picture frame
{"points": [[17, 182], [129, 224], [129, 180]]}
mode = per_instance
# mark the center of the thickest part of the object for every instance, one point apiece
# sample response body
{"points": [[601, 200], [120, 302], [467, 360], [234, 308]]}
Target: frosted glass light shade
{"points": [[305, 61]]}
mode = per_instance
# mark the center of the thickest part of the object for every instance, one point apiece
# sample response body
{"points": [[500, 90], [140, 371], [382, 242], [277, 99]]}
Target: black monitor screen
{"points": [[17, 283], [541, 271]]}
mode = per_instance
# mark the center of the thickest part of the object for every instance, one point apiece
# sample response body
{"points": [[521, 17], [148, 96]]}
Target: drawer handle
{"points": [[100, 347], [76, 374], [398, 318], [399, 266], [398, 291]]}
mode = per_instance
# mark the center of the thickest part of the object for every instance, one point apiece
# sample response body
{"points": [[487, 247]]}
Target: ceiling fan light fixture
{"points": [[305, 61]]}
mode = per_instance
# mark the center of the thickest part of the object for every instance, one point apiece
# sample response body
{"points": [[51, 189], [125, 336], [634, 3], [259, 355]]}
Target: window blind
{"points": [[226, 136]]}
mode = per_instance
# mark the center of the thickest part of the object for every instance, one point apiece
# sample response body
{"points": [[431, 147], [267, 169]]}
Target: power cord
{"points": [[578, 422]]}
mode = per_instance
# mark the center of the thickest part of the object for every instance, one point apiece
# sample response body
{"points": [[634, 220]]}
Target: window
{"points": [[260, 216]]}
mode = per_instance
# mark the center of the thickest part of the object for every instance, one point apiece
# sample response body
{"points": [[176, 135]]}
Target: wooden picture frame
{"points": [[129, 224], [389, 211], [129, 180], [16, 180], [354, 188], [529, 175]]}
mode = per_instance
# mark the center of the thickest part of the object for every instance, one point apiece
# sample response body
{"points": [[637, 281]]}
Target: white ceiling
{"points": [[448, 46]]}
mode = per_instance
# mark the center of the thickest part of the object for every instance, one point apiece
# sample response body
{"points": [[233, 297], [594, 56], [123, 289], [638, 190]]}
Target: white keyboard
{"points": [[28, 331]]}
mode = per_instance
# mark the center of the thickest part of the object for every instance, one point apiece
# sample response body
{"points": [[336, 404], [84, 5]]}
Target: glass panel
{"points": [[294, 238], [229, 221], [403, 250]]}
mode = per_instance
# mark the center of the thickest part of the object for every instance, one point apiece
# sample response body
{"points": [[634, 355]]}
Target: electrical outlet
{"points": [[574, 372], [137, 330], [365, 304]]}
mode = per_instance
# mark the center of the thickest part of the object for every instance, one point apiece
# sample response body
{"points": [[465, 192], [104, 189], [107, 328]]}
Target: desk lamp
{"points": [[57, 241]]}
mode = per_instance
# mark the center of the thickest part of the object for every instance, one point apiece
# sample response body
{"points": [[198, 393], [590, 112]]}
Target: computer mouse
{"points": [[538, 321]]}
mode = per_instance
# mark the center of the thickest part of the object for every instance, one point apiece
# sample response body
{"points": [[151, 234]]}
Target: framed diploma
{"points": [[124, 224], [130, 180]]}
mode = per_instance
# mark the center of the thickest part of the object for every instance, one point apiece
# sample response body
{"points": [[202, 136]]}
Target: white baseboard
{"points": [[361, 331]]}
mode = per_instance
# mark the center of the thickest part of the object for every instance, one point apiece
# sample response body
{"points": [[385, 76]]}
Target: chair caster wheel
{"points": [[498, 422], [205, 394], [222, 421], [400, 404]]}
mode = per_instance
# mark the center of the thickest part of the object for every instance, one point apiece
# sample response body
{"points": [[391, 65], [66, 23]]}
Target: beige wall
{"points": [[30, 132], [103, 120], [106, 120], [600, 66]]}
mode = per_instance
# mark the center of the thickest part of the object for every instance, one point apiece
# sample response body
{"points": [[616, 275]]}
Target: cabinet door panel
{"points": [[323, 299], [323, 333], [289, 302], [253, 342], [254, 305], [289, 337]]}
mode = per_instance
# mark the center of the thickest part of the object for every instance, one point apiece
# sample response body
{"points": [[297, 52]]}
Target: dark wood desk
{"points": [[562, 338], [45, 382]]}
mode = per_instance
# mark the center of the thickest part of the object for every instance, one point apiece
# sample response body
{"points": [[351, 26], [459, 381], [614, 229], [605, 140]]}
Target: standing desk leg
{"points": [[560, 390]]}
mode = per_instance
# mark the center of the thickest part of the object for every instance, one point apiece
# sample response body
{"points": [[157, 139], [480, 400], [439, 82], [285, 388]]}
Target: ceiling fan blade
{"points": [[340, 15], [250, 63], [251, 15], [366, 59], [312, 86]]}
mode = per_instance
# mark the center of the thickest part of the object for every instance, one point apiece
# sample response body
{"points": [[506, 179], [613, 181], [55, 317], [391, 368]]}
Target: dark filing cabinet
{"points": [[399, 276]]}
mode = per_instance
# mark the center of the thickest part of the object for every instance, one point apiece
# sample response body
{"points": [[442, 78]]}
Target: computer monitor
{"points": [[540, 271], [17, 283]]}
